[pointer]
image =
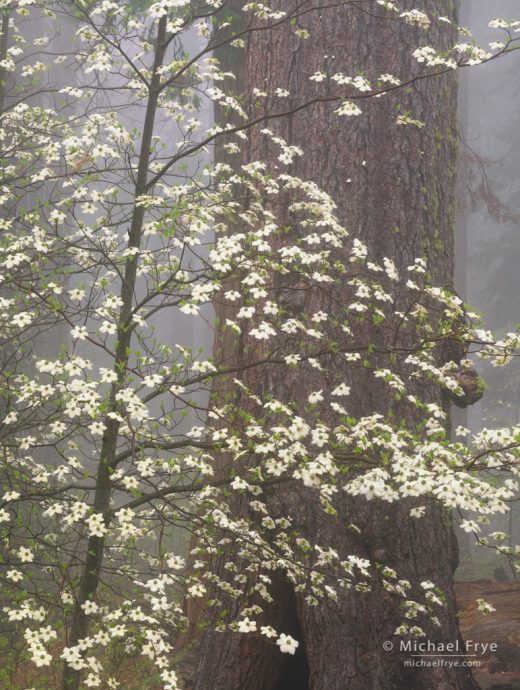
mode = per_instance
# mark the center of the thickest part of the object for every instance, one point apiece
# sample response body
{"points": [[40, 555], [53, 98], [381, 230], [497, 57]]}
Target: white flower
{"points": [[25, 555], [113, 301], [270, 308], [349, 109], [130, 483], [246, 626], [197, 590], [263, 332], [22, 319], [96, 525], [152, 380], [287, 644], [175, 562], [246, 313], [107, 375], [484, 606], [238, 483], [427, 584], [90, 607], [40, 656], [268, 631], [315, 397], [97, 428], [76, 295], [416, 17], [470, 526], [125, 515], [342, 389], [67, 598], [58, 427], [79, 333], [108, 328], [190, 308]]}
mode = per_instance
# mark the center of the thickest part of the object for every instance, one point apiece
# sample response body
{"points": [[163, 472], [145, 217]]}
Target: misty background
{"points": [[488, 234]]}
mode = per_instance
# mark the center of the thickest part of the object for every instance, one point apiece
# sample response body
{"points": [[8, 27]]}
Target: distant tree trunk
{"points": [[394, 187]]}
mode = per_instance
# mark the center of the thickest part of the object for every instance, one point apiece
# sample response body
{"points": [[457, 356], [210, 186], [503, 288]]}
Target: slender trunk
{"points": [[394, 187], [93, 566]]}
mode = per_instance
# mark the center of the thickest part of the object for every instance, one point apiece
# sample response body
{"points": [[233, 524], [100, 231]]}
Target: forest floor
{"points": [[500, 670]]}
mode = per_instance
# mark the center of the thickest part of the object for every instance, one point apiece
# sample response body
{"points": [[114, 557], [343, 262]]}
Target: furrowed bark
{"points": [[394, 187]]}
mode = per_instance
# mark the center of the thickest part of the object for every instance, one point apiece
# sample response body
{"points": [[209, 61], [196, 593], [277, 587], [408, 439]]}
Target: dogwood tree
{"points": [[115, 440]]}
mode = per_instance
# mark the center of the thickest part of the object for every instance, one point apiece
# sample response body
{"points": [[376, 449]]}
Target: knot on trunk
{"points": [[472, 384]]}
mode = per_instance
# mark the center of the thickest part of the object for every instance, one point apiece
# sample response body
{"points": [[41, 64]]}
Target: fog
{"points": [[488, 233]]}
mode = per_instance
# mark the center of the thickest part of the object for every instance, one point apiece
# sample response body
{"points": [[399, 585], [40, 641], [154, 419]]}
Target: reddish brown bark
{"points": [[394, 187]]}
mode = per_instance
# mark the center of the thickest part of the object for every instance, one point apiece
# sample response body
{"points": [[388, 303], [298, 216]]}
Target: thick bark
{"points": [[231, 61], [394, 187]]}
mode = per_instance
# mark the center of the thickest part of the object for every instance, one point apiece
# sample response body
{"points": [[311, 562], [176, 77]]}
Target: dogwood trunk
{"points": [[95, 551], [394, 186]]}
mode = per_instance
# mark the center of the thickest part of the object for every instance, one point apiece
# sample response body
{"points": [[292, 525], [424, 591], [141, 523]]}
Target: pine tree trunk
{"points": [[394, 187]]}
